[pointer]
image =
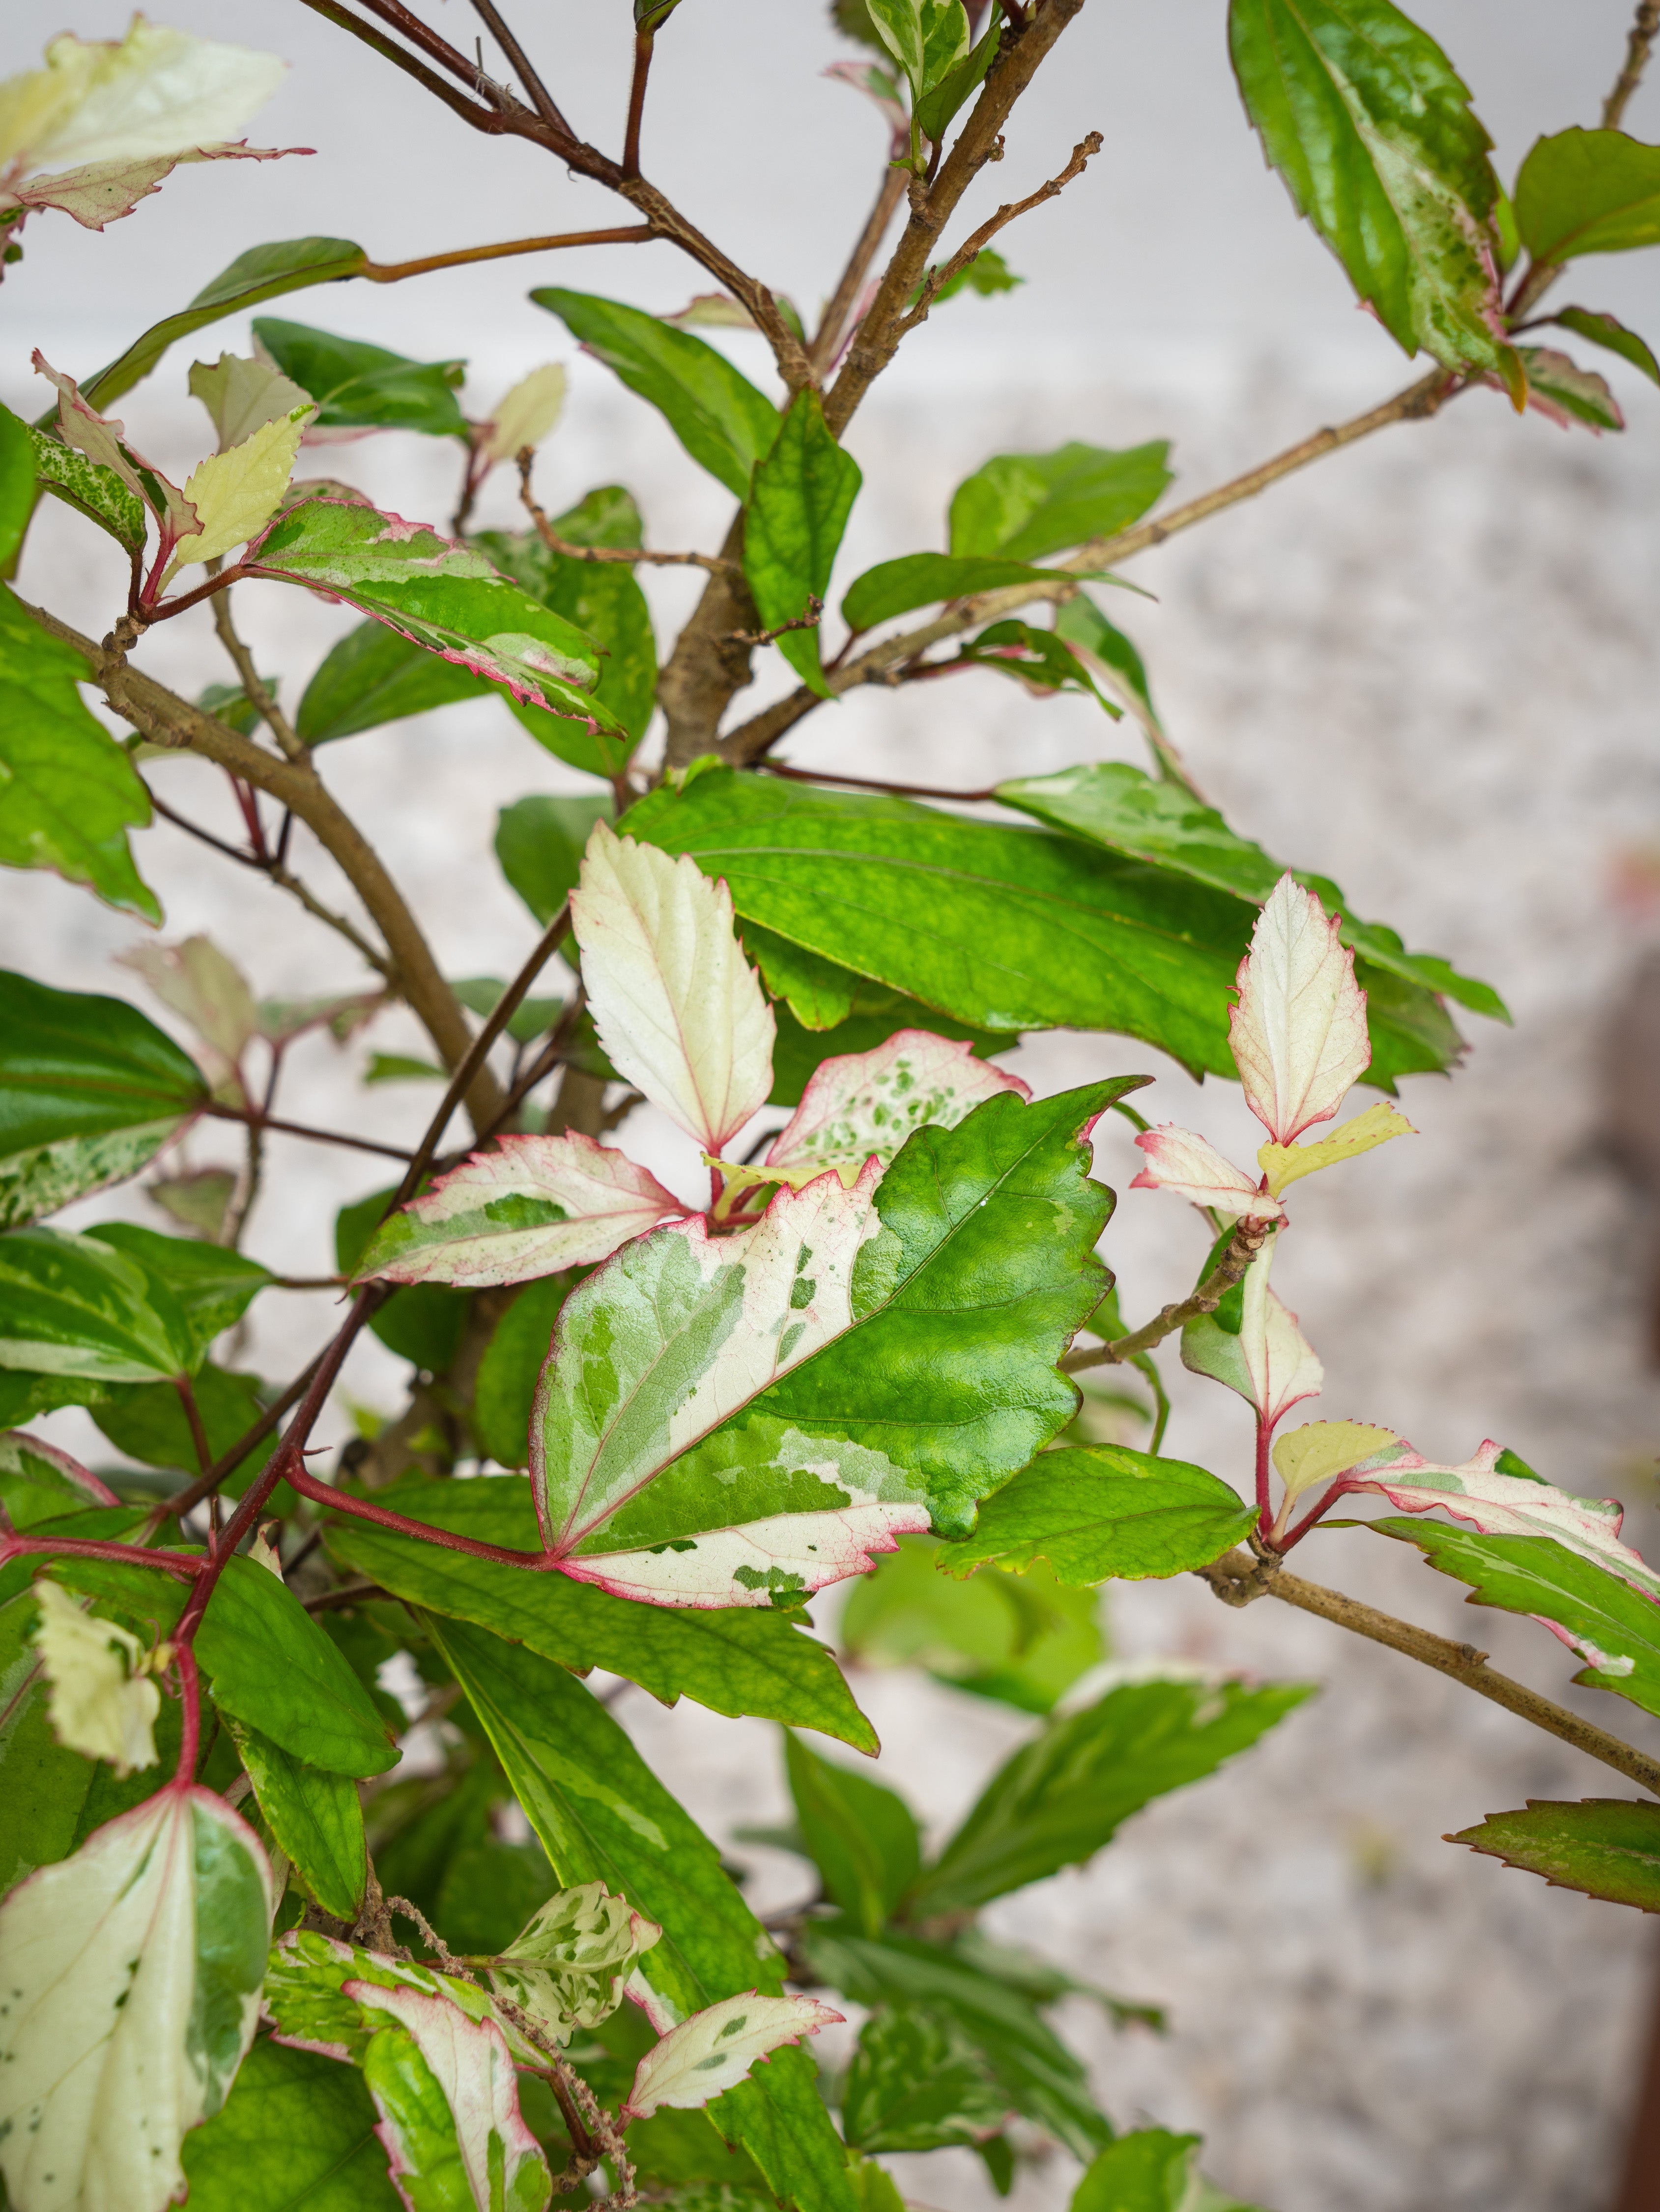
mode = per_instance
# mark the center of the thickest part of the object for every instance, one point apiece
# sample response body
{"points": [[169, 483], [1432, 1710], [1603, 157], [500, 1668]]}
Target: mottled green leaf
{"points": [[71, 1305], [1608, 1847], [804, 493], [1102, 1512], [1024, 506], [359, 386], [213, 1287], [315, 1817], [377, 674], [1588, 191], [916, 2083], [863, 1839], [297, 2134]]}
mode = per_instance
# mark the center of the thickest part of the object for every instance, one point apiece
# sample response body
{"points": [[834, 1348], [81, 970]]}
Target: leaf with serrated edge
{"points": [[567, 1965], [714, 2050], [868, 1103], [1298, 1032], [1284, 1164], [1320, 1450], [1101, 1512], [236, 493], [98, 192], [132, 1974], [99, 1704], [533, 1207], [1606, 1847], [105, 440], [156, 91], [679, 1009], [1180, 1161]]}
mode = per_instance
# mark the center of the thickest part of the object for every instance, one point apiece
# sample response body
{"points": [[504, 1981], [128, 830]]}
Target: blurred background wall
{"points": [[1428, 667]]}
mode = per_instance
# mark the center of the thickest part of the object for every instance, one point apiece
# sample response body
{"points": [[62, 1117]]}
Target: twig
{"points": [[826, 341], [481, 118], [810, 620], [1237, 1579], [1638, 44], [193, 1421], [185, 1501], [394, 272], [521, 61], [643, 42], [1248, 1240], [253, 685], [252, 1115], [571, 551], [546, 1061], [937, 279]]}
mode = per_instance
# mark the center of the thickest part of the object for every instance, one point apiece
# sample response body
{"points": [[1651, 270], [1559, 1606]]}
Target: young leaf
{"points": [[949, 90], [207, 989], [718, 415], [70, 1305], [104, 441], [155, 92], [1606, 1847], [376, 675], [1024, 506], [1362, 114], [866, 1103], [132, 1974], [1298, 1032], [713, 2051], [1263, 1355], [99, 1702], [863, 1840], [243, 395], [534, 1207], [920, 580], [1588, 191], [236, 493], [527, 414], [68, 792], [363, 387], [899, 25], [539, 842], [297, 2130], [315, 1818], [679, 1010], [803, 492], [1190, 1165], [89, 1092], [1101, 1512], [1151, 2171], [917, 2084], [567, 1968], [1320, 1450], [1606, 329], [99, 192], [1283, 1164]]}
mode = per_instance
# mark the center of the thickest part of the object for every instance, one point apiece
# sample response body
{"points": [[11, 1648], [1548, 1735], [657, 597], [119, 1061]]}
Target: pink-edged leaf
{"points": [[866, 1103], [679, 1009], [786, 1557], [32, 1460], [1282, 1365], [102, 192], [535, 1206], [713, 2050], [1298, 1032], [880, 89], [103, 439], [1190, 1165]]}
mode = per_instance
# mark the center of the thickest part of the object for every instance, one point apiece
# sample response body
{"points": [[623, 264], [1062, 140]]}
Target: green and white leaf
{"points": [[101, 1700], [206, 988], [91, 489], [1298, 1032], [71, 1305], [1265, 1357], [567, 1966], [243, 394], [713, 2051], [917, 2084], [1102, 1512], [859, 1106]]}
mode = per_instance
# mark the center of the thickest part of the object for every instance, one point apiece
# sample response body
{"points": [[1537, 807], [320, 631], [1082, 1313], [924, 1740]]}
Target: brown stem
{"points": [[827, 341], [193, 1419], [1639, 43], [222, 1113], [708, 666], [394, 272], [631, 554], [972, 247], [167, 720], [481, 118], [540, 95], [643, 45], [253, 685], [1248, 1241], [1238, 1578], [809, 619]]}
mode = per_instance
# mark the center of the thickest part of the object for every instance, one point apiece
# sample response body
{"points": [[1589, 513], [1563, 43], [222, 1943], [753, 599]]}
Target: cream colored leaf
{"points": [[97, 1700], [527, 413], [713, 2051], [1298, 1032], [1179, 1161], [1315, 1453], [102, 192], [236, 493], [243, 395], [156, 91], [132, 1975], [207, 988], [679, 1010], [568, 1966], [1282, 1365], [1285, 1164]]}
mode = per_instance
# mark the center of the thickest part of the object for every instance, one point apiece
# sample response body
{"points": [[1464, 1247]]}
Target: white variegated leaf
{"points": [[1298, 1032], [785, 1556], [679, 1010], [713, 2050], [1178, 1160], [131, 1976], [155, 92], [567, 1968], [1269, 1361], [99, 1700], [534, 1207], [103, 191], [868, 1103]]}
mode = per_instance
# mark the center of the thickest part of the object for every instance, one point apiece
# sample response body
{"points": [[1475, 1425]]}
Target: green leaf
{"points": [[540, 842], [732, 1661], [863, 1839], [1102, 1512], [70, 1305], [147, 1422], [1610, 1625], [359, 386], [68, 792], [90, 487], [805, 490], [212, 1286], [1605, 330], [920, 580], [1023, 507], [263, 272], [1126, 811], [510, 1369], [377, 674], [1064, 1794], [917, 2084], [89, 1092], [1151, 2171], [1588, 191], [1035, 2071], [1608, 1847], [604, 600], [1023, 1639], [315, 1817], [724, 423], [1364, 117], [603, 1816], [1080, 621], [1559, 387], [1041, 659], [297, 2134], [423, 1324], [609, 516], [17, 472]]}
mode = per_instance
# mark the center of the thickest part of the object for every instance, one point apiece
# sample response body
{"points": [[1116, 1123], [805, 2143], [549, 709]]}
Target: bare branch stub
{"points": [[810, 618], [974, 247], [627, 554]]}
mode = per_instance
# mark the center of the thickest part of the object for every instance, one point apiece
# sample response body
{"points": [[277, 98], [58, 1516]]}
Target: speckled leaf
{"points": [[863, 1104]]}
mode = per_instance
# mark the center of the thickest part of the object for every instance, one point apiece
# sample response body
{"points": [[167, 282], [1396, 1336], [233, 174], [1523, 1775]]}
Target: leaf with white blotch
{"points": [[444, 595], [71, 1305], [155, 92], [1298, 1032], [100, 1701], [1284, 1164], [1606, 1847], [307, 1995], [527, 413], [1320, 1450], [679, 1009], [132, 1974], [242, 395], [740, 1420], [1265, 1356], [206, 988], [1180, 1161], [535, 1206], [714, 2050], [236, 493], [917, 2084], [567, 1966], [868, 1103], [103, 191]]}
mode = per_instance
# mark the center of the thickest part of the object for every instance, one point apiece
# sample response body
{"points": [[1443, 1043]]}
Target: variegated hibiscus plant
{"points": [[736, 1266]]}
